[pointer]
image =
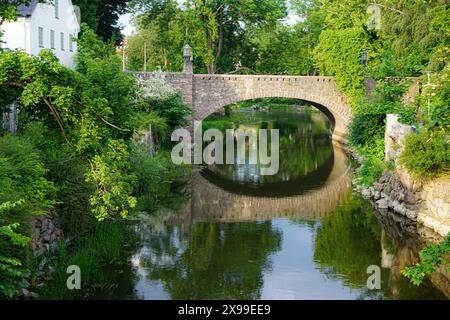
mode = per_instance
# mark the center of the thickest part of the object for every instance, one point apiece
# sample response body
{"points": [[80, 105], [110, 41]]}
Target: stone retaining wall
{"points": [[426, 203]]}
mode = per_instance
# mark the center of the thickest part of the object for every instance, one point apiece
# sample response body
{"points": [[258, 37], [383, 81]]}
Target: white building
{"points": [[38, 26]]}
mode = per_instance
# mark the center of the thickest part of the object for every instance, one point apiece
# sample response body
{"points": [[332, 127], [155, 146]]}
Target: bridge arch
{"points": [[319, 107], [213, 92], [208, 93]]}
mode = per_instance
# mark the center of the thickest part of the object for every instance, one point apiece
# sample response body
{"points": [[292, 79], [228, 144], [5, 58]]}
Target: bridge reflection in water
{"points": [[301, 234], [211, 202]]}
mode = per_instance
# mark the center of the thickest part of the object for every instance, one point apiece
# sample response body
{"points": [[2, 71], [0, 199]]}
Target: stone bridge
{"points": [[208, 93]]}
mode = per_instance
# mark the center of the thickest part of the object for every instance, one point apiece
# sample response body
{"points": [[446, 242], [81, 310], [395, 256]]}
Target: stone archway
{"points": [[209, 93]]}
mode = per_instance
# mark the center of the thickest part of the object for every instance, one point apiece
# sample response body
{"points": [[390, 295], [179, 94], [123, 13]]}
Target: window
{"points": [[70, 43], [62, 41], [41, 37], [56, 9], [52, 39]]}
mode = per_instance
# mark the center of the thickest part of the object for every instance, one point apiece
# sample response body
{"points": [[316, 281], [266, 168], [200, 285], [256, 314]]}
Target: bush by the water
{"points": [[427, 154], [365, 128], [431, 258], [24, 192]]}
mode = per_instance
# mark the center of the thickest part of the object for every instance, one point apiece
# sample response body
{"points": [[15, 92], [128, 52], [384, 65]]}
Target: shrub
{"points": [[156, 178], [22, 176], [365, 127], [166, 101], [407, 114], [368, 123], [173, 109], [370, 171], [373, 164], [427, 154], [11, 269], [107, 243], [111, 173], [24, 192], [431, 258], [439, 94]]}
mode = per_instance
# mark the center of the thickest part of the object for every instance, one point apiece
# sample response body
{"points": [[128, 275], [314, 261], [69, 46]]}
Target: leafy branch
{"points": [[431, 258]]}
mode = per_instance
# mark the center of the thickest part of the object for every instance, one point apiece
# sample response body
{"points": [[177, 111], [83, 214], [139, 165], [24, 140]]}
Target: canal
{"points": [[300, 234]]}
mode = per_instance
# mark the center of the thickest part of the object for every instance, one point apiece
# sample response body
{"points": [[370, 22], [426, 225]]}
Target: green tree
{"points": [[91, 109], [102, 16], [215, 29], [11, 269], [338, 54]]}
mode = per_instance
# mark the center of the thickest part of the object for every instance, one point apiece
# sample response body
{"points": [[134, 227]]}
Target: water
{"points": [[301, 234]]}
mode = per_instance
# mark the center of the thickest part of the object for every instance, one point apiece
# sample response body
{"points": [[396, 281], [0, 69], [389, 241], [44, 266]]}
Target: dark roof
{"points": [[26, 11]]}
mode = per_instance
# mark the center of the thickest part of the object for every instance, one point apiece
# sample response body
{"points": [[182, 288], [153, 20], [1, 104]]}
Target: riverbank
{"points": [[414, 205], [424, 202], [427, 205]]}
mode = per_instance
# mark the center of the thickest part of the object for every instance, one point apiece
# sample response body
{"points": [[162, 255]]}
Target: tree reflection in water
{"points": [[354, 237], [211, 260], [305, 145], [209, 252]]}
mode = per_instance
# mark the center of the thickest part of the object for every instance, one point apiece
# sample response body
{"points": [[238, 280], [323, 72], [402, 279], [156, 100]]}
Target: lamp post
{"points": [[187, 57]]}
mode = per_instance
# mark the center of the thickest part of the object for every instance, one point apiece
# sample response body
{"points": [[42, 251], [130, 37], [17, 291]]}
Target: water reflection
{"points": [[208, 260], [282, 237], [215, 199], [306, 154], [276, 259]]}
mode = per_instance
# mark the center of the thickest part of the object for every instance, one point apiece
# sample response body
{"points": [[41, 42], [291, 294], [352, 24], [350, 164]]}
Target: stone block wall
{"points": [[394, 136]]}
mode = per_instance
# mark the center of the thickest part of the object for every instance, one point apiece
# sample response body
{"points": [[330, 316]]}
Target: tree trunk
{"points": [[212, 64], [220, 44], [212, 67]]}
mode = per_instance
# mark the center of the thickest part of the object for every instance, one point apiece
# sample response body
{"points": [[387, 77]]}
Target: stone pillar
{"points": [[394, 136], [369, 85], [188, 58]]}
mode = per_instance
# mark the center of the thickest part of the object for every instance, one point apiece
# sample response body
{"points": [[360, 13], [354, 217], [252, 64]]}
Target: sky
{"points": [[128, 29], [124, 21]]}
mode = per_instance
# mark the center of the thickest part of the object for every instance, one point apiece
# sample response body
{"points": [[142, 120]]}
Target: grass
{"points": [[102, 248]]}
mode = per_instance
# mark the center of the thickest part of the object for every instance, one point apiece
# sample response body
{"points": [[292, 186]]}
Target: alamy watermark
{"points": [[256, 141], [74, 280], [374, 280]]}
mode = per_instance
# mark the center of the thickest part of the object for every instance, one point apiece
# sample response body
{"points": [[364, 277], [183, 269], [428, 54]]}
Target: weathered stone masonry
{"points": [[208, 93]]}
